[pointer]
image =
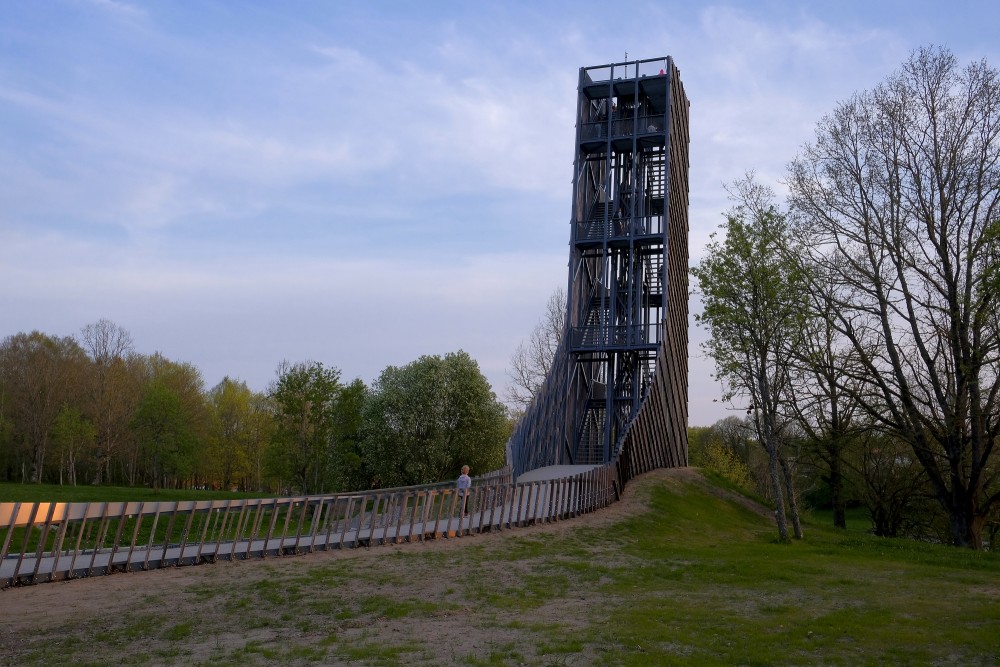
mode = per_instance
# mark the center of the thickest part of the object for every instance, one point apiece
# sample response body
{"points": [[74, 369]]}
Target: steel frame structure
{"points": [[620, 375]]}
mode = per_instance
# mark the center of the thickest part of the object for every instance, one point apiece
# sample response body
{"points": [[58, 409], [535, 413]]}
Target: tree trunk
{"points": [[38, 462], [793, 504], [966, 525], [779, 502], [836, 482], [103, 461]]}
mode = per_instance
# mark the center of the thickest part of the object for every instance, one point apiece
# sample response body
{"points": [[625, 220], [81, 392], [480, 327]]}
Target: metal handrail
{"points": [[622, 126], [44, 541], [599, 336]]}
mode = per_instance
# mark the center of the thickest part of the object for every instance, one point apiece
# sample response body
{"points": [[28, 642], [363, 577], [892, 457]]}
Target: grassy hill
{"points": [[679, 572]]}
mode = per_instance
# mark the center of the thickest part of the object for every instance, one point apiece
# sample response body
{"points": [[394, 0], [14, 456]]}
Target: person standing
{"points": [[464, 484]]}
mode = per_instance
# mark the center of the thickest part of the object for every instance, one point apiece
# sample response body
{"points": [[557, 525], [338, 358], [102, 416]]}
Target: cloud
{"points": [[118, 8], [238, 185], [404, 130], [233, 318]]}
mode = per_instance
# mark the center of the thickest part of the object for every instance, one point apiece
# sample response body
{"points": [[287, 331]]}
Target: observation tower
{"points": [[618, 384]]}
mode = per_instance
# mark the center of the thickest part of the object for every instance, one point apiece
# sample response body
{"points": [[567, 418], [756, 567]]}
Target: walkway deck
{"points": [[50, 541]]}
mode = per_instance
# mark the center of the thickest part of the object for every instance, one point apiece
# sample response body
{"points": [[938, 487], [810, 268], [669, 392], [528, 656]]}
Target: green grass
{"points": [[12, 493], [858, 520], [737, 596], [692, 579]]}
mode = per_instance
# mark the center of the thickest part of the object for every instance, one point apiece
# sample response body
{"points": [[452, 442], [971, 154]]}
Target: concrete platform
{"points": [[553, 472]]}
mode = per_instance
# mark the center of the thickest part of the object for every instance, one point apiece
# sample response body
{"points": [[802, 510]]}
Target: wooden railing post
{"points": [[236, 528]]}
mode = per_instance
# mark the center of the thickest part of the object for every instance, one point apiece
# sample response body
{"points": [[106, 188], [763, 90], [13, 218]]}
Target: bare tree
{"points": [[114, 388], [899, 200], [822, 363], [532, 360], [894, 487]]}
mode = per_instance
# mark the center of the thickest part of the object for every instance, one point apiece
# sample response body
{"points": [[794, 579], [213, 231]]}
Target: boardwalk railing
{"points": [[42, 542]]}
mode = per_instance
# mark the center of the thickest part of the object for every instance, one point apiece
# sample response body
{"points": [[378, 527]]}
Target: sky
{"points": [[363, 183]]}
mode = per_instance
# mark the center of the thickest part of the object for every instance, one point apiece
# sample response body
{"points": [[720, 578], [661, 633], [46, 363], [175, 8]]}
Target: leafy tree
{"points": [[724, 448], [752, 306], [37, 376], [74, 436], [898, 203], [167, 442], [348, 467], [700, 438], [532, 360], [305, 398], [170, 425], [425, 420], [232, 415], [259, 432], [732, 433], [727, 463], [8, 459]]}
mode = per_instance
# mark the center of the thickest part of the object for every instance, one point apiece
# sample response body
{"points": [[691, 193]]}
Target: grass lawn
{"points": [[716, 589], [11, 493], [858, 519], [676, 574]]}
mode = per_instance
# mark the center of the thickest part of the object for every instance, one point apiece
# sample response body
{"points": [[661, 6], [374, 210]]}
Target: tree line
{"points": [[91, 410], [857, 323]]}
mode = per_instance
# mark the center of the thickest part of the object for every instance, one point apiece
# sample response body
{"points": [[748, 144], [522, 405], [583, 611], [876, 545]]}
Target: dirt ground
{"points": [[335, 607]]}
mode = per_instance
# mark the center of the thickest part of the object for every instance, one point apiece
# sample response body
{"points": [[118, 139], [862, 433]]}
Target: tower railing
{"points": [[601, 336], [622, 127], [598, 230]]}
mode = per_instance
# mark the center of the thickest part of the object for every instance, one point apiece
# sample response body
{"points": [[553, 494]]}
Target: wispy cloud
{"points": [[363, 185], [118, 8]]}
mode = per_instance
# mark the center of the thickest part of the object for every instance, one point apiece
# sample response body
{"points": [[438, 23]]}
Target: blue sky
{"points": [[238, 183]]}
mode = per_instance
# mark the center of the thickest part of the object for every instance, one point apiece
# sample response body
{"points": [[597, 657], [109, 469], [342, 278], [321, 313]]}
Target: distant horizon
{"points": [[238, 184]]}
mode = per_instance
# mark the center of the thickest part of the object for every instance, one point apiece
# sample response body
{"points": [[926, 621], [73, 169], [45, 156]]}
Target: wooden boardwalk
{"points": [[51, 541]]}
